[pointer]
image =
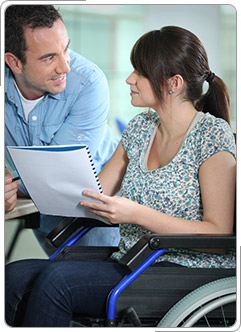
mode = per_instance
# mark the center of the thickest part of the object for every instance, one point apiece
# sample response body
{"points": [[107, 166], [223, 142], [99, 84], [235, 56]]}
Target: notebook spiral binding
{"points": [[94, 170]]}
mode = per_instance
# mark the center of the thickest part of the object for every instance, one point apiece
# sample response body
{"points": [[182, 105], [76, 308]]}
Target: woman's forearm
{"points": [[158, 222]]}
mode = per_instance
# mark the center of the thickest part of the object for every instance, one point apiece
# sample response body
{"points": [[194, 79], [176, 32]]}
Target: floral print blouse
{"points": [[174, 188]]}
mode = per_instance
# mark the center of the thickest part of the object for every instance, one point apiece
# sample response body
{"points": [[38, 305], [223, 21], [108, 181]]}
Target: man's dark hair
{"points": [[18, 17]]}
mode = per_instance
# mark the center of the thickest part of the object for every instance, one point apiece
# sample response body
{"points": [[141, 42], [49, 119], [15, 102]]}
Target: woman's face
{"points": [[142, 93]]}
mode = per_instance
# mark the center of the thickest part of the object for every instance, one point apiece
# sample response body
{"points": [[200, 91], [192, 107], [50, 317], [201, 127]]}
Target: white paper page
{"points": [[55, 180]]}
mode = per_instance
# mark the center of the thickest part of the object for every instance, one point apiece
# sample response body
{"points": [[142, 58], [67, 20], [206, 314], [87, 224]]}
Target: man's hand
{"points": [[11, 189]]}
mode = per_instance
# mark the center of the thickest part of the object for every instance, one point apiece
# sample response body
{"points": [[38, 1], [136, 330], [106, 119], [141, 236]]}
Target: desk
{"points": [[24, 206], [26, 211]]}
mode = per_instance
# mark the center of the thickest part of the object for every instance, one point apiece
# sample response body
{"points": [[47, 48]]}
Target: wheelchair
{"points": [[152, 296]]}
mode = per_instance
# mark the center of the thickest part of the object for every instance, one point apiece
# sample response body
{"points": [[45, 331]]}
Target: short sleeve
{"points": [[125, 136], [216, 136], [134, 132]]}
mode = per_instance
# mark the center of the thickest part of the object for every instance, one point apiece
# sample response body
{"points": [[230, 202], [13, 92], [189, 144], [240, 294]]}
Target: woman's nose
{"points": [[131, 79]]}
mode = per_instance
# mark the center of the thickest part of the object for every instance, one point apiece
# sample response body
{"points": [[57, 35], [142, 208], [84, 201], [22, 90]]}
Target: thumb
{"points": [[8, 176]]}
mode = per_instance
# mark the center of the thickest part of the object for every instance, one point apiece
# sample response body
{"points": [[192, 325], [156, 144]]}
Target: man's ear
{"points": [[13, 62]]}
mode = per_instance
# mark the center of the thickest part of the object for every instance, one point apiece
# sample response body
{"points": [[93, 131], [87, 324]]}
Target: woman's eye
{"points": [[138, 73]]}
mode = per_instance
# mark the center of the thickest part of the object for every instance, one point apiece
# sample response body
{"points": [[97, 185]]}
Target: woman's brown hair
{"points": [[161, 54]]}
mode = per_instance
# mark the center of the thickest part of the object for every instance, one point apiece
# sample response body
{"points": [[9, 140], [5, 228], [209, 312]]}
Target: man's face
{"points": [[47, 61]]}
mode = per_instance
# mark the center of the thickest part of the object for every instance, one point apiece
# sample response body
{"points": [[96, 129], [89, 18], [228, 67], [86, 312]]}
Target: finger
{"points": [[8, 179], [94, 194], [102, 214], [10, 203], [8, 172], [98, 206], [9, 208], [10, 196], [8, 176], [12, 187], [11, 200]]}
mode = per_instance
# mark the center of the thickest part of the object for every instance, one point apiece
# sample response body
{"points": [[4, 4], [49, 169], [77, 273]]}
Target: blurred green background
{"points": [[105, 34]]}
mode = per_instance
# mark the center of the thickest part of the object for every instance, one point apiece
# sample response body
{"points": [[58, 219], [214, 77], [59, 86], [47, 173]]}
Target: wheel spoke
{"points": [[224, 318], [207, 321]]}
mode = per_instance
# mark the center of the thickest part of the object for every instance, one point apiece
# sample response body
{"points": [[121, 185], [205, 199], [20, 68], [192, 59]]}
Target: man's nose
{"points": [[63, 64]]}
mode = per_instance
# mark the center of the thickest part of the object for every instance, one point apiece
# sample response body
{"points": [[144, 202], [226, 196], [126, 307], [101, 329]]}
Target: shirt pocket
{"points": [[47, 133]]}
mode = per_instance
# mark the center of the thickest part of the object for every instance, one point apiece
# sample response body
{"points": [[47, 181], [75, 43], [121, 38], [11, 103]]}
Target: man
{"points": [[53, 96]]}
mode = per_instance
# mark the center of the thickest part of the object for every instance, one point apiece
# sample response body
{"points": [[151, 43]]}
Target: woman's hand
{"points": [[117, 210], [11, 189]]}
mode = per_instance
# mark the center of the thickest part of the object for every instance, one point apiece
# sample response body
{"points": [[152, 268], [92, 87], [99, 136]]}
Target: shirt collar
{"points": [[10, 88]]}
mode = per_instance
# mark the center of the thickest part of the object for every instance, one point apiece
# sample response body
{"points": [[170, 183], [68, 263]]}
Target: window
{"points": [[105, 35]]}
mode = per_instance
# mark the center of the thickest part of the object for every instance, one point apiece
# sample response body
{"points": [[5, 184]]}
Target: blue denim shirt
{"points": [[78, 115]]}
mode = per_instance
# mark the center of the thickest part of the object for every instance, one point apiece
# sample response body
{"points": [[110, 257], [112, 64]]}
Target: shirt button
{"points": [[34, 117], [79, 138], [11, 97]]}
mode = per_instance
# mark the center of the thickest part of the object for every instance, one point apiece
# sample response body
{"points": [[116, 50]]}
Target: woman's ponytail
{"points": [[217, 99]]}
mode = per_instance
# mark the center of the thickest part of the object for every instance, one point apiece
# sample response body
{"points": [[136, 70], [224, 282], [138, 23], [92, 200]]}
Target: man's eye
{"points": [[49, 59]]}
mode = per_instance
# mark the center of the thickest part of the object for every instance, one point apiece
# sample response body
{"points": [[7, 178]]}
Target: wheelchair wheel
{"points": [[204, 306]]}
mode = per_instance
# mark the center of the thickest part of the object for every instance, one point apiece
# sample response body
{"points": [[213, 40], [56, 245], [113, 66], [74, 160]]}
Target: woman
{"points": [[174, 167]]}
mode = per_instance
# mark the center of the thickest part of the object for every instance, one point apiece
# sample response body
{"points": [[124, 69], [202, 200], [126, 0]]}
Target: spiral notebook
{"points": [[55, 177]]}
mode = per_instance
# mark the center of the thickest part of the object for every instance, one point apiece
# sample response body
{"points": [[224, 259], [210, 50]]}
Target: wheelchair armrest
{"points": [[67, 227], [150, 242], [192, 241]]}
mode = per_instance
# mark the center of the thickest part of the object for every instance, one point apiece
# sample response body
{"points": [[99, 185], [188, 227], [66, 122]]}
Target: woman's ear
{"points": [[13, 62], [176, 82]]}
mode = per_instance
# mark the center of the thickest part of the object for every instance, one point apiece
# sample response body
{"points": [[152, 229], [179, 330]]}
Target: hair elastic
{"points": [[210, 77]]}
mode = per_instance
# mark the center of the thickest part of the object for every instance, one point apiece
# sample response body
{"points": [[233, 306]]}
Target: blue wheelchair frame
{"points": [[73, 240], [126, 282], [123, 283], [144, 253]]}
